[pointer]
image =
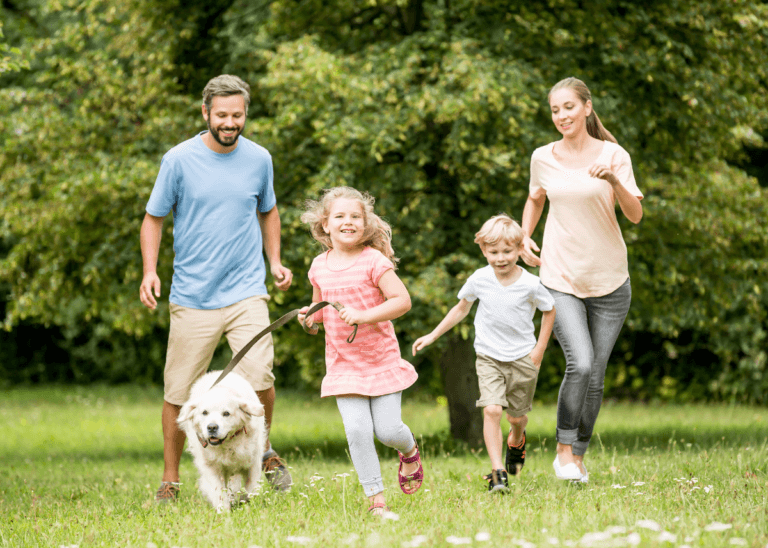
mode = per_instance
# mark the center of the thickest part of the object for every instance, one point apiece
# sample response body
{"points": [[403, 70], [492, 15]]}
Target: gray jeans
{"points": [[586, 329], [365, 416]]}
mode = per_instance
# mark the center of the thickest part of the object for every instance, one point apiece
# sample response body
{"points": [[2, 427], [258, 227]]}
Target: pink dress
{"points": [[371, 365]]}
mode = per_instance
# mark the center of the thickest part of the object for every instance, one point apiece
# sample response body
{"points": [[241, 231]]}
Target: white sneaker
{"points": [[585, 475], [568, 472]]}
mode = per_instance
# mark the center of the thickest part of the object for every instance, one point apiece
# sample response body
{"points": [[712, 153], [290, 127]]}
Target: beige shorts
{"points": [[195, 334], [508, 384]]}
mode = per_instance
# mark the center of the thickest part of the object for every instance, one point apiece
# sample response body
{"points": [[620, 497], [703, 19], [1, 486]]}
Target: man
{"points": [[219, 186]]}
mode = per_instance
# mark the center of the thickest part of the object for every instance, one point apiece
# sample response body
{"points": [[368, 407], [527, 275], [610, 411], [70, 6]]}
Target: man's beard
{"points": [[217, 137]]}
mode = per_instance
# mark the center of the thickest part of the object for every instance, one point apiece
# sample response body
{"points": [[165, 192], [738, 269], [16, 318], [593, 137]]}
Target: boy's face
{"points": [[502, 256]]}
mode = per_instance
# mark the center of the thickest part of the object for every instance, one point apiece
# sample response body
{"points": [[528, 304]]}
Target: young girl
{"points": [[368, 375]]}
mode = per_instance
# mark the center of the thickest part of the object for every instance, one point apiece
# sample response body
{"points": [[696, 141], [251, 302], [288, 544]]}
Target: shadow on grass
{"points": [[628, 441]]}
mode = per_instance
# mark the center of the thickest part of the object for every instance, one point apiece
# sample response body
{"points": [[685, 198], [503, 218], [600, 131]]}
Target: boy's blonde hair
{"points": [[377, 234], [500, 228]]}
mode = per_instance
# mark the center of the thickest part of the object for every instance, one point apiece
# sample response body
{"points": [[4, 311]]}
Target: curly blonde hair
{"points": [[377, 234]]}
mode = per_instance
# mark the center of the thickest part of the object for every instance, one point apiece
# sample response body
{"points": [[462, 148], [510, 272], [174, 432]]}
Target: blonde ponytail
{"points": [[594, 126]]}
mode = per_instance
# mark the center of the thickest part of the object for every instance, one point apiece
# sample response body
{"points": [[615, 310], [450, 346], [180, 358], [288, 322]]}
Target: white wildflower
{"points": [[708, 488], [638, 483], [665, 536], [299, 540], [415, 542], [458, 540], [717, 526], [482, 537], [390, 515], [617, 486], [591, 538], [648, 524], [554, 541], [633, 539], [616, 530], [351, 538], [738, 541]]}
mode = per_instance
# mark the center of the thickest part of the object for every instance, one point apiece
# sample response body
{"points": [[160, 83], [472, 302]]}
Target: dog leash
{"points": [[279, 323]]}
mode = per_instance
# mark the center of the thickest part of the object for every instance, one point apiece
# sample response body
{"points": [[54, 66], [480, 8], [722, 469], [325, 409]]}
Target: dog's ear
{"points": [[186, 412], [255, 409]]}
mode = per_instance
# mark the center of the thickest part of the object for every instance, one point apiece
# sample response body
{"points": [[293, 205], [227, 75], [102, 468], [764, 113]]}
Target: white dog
{"points": [[226, 435]]}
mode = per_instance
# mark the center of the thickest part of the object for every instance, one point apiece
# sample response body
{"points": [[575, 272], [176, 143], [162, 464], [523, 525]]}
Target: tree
{"points": [[432, 106]]}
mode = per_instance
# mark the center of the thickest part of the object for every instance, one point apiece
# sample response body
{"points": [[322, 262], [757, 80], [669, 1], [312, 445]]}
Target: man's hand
{"points": [[150, 284], [283, 276]]}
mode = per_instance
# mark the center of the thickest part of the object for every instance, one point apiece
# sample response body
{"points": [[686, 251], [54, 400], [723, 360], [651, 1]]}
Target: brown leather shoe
{"points": [[277, 473]]}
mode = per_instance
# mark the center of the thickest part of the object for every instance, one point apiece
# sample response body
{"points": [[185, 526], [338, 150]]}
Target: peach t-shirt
{"points": [[583, 252]]}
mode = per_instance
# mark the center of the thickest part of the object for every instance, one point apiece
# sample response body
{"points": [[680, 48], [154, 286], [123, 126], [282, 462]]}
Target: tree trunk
{"points": [[457, 366]]}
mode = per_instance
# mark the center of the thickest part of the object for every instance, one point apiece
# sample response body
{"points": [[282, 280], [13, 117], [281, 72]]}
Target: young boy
{"points": [[508, 353]]}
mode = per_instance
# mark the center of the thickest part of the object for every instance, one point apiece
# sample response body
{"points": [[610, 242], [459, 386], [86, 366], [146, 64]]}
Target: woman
{"points": [[583, 258]]}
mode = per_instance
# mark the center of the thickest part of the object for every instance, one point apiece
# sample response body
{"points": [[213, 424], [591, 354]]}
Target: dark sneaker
{"points": [[168, 492], [516, 457], [276, 472], [497, 481]]}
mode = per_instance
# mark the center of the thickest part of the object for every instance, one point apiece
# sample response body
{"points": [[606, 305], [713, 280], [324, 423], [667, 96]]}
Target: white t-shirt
{"points": [[504, 320]]}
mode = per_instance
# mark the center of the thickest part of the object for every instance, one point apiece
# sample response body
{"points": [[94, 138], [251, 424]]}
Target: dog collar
{"points": [[205, 443]]}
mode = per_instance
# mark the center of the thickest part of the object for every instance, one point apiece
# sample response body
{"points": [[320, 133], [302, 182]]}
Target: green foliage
{"points": [[10, 58], [76, 176], [433, 107]]}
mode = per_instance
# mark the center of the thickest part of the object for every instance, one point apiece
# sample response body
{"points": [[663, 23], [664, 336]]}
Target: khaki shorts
{"points": [[508, 384], [195, 334]]}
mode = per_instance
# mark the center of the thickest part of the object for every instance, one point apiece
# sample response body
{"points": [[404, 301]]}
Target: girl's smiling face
{"points": [[569, 114], [346, 223]]}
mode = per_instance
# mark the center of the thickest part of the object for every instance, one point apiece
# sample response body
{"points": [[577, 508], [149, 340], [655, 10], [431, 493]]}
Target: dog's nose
{"points": [[212, 428]]}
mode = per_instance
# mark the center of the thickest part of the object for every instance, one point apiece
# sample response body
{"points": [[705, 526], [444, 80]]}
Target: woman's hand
{"points": [[529, 247], [353, 316], [601, 171]]}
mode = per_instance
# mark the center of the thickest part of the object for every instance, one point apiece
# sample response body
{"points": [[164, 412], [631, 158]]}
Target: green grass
{"points": [[80, 467]]}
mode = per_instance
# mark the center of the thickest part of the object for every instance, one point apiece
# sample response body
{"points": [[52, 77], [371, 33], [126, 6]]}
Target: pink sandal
{"points": [[373, 510], [417, 476]]}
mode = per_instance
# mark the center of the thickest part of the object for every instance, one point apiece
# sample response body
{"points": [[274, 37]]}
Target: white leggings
{"points": [[365, 416]]}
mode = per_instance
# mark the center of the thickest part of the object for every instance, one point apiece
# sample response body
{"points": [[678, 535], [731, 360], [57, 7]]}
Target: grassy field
{"points": [[80, 467]]}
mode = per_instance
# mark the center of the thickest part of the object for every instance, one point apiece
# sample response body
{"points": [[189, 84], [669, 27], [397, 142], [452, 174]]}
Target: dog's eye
{"points": [[225, 414], [205, 412]]}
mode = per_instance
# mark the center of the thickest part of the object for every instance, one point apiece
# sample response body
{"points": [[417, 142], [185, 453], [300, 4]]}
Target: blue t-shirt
{"points": [[216, 235]]}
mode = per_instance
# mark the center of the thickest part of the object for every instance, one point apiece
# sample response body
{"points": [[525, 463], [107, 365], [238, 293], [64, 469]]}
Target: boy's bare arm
{"points": [[454, 316], [547, 323]]}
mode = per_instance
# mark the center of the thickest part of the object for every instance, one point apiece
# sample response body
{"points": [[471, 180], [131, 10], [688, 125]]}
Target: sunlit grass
{"points": [[80, 467]]}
